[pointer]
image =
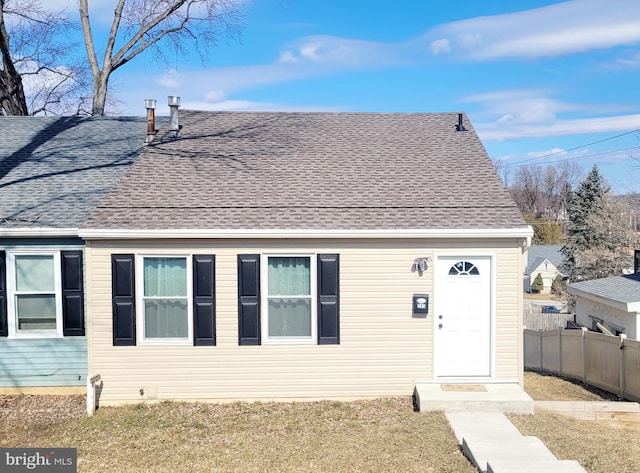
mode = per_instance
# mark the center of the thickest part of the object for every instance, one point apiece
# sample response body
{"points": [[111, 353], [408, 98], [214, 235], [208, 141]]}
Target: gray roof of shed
{"points": [[281, 170], [625, 288], [55, 170]]}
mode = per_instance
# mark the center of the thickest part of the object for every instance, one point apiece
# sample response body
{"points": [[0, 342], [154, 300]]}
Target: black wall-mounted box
{"points": [[421, 304]]}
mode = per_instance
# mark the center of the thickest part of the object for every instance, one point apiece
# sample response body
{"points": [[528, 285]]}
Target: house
{"points": [[613, 301], [53, 172], [546, 260], [259, 255]]}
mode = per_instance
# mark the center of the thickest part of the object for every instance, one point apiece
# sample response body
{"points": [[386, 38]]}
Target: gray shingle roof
{"points": [[625, 289], [538, 253], [55, 170], [269, 170]]}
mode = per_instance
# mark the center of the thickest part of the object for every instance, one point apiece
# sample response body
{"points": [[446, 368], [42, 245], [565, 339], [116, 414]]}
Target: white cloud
{"points": [[171, 79], [559, 29], [535, 113], [310, 51], [335, 53], [287, 57], [522, 106], [492, 131], [630, 61], [440, 46]]}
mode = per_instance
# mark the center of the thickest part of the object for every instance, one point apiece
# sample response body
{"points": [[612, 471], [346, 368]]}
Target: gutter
{"points": [[38, 232], [108, 234]]}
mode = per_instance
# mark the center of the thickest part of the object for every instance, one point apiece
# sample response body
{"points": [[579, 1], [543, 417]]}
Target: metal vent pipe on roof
{"points": [[174, 125], [151, 120], [460, 126]]}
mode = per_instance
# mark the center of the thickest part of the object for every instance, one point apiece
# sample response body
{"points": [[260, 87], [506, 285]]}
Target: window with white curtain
{"points": [[35, 293], [165, 307], [289, 300]]}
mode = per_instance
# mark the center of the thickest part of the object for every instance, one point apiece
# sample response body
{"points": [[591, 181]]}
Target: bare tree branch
{"points": [[38, 73], [12, 98], [144, 25]]}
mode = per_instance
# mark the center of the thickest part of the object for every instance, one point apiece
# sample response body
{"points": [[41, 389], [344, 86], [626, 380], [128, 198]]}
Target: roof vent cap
{"points": [[150, 105], [174, 125]]}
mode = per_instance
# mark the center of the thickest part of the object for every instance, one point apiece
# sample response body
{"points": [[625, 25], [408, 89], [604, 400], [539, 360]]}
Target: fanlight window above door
{"points": [[464, 268]]}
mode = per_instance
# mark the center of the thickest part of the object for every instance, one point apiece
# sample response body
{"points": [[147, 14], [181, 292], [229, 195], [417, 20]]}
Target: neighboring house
{"points": [[612, 301], [53, 172], [305, 255], [545, 260]]}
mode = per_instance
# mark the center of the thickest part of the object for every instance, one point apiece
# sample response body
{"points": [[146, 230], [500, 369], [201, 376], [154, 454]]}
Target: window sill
{"points": [[167, 342], [289, 341], [35, 336]]}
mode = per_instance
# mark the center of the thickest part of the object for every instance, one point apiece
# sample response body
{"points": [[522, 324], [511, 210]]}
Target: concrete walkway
{"points": [[493, 444]]}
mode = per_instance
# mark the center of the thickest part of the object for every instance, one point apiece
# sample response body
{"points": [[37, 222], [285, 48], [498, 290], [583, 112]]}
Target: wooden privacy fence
{"points": [[608, 362]]}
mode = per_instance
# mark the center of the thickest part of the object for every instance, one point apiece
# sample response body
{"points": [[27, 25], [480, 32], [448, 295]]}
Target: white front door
{"points": [[462, 317]]}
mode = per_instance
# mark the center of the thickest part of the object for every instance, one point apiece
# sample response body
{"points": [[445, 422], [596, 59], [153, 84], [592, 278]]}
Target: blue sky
{"points": [[536, 77]]}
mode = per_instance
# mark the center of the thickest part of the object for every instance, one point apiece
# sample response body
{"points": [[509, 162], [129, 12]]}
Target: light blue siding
{"points": [[43, 362]]}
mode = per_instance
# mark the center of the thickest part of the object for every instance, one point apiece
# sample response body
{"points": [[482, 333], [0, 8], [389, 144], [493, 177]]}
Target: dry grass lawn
{"points": [[600, 447], [548, 387], [364, 436], [382, 435]]}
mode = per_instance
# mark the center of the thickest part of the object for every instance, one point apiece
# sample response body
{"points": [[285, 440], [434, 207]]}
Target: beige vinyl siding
{"points": [[509, 267], [383, 349]]}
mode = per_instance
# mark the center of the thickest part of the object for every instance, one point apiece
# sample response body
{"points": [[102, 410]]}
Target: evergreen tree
{"points": [[538, 283], [558, 285], [599, 234]]}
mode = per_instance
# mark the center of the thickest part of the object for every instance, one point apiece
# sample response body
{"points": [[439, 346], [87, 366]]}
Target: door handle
{"points": [[440, 316], [439, 325]]}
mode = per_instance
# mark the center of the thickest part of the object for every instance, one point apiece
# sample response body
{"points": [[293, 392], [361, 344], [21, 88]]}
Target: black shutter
{"points": [[204, 300], [72, 294], [4, 327], [249, 299], [328, 299], [123, 299]]}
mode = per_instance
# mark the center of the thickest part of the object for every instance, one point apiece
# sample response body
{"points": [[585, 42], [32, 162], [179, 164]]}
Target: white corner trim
{"points": [[108, 234], [26, 232]]}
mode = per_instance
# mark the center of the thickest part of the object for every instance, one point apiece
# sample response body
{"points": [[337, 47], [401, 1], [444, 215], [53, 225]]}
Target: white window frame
{"points": [[140, 322], [264, 290], [12, 315]]}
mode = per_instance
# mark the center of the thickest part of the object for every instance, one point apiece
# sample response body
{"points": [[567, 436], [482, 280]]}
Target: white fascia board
{"points": [[616, 304], [38, 232], [97, 234]]}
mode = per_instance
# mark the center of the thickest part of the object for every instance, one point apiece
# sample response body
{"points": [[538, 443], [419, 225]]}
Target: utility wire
{"points": [[588, 155], [522, 163]]}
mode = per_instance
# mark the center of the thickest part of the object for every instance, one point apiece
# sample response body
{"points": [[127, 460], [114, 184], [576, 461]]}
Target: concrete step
{"points": [[539, 466], [507, 397], [480, 450]]}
